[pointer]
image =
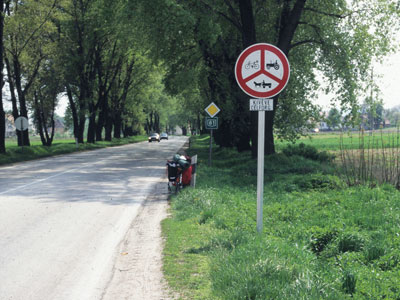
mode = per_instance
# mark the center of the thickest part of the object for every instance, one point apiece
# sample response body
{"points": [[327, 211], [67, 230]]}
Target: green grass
{"points": [[352, 140], [320, 240], [37, 150]]}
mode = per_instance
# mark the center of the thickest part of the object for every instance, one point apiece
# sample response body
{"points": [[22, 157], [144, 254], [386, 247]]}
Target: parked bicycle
{"points": [[179, 172]]}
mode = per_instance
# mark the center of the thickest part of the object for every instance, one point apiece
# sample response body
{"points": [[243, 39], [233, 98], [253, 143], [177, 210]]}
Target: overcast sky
{"points": [[388, 81]]}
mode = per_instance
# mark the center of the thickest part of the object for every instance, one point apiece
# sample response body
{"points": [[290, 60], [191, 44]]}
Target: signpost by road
{"points": [[211, 123], [21, 124], [262, 71], [194, 166]]}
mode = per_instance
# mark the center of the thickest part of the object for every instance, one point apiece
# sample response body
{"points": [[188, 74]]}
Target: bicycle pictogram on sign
{"points": [[271, 75]]}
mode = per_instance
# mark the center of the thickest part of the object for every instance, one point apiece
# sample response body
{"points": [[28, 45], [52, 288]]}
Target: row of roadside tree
{"points": [[138, 65]]}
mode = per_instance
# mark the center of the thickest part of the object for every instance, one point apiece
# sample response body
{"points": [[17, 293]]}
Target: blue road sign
{"points": [[211, 123]]}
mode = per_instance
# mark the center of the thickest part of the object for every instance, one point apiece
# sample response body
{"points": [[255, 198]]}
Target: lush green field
{"points": [[349, 140], [321, 238], [60, 146]]}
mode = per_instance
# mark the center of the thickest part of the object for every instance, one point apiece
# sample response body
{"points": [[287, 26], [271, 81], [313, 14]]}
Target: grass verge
{"points": [[321, 239], [17, 154]]}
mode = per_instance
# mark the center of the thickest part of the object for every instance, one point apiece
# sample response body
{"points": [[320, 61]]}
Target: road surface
{"points": [[62, 219]]}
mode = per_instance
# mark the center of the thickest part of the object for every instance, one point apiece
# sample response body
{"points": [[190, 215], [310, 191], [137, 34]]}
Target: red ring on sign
{"points": [[282, 82]]}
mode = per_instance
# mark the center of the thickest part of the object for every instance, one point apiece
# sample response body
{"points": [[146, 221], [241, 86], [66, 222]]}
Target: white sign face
{"points": [[212, 109], [21, 123], [261, 104], [262, 71]]}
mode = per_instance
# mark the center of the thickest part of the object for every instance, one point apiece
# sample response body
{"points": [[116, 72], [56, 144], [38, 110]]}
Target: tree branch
{"points": [[316, 28], [34, 74], [233, 21], [306, 42], [39, 27], [327, 14]]}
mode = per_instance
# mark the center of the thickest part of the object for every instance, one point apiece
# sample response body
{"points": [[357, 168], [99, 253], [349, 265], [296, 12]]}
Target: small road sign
{"points": [[211, 123], [262, 70], [212, 110], [261, 104], [21, 123]]}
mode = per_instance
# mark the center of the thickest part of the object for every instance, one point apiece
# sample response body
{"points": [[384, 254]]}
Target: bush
{"points": [[350, 242], [308, 151], [319, 181], [390, 261], [373, 252], [349, 282], [320, 238]]}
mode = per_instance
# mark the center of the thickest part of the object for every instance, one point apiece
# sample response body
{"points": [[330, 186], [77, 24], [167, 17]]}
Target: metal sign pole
{"points": [[260, 169], [275, 77], [209, 155], [22, 136]]}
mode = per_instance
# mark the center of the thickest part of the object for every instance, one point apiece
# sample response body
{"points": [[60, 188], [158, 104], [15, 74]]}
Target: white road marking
{"points": [[34, 182]]}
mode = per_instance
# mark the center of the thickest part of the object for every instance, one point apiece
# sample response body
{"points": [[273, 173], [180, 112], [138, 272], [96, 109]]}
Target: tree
{"points": [[2, 113], [101, 51], [334, 37], [47, 87], [334, 118], [393, 115], [25, 29]]}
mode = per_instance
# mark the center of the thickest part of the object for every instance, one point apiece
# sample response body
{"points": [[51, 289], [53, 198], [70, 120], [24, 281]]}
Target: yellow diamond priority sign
{"points": [[212, 110]]}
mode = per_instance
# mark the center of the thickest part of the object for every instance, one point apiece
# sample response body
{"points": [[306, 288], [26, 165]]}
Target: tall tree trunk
{"points": [[81, 126], [38, 115], [42, 121], [12, 88], [249, 38], [73, 111], [109, 122], [2, 113], [117, 125], [92, 124], [156, 122], [11, 84], [290, 19], [101, 120], [22, 101], [109, 128]]}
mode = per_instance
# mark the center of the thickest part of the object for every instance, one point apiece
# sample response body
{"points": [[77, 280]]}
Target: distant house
{"points": [[59, 126], [10, 128], [323, 126]]}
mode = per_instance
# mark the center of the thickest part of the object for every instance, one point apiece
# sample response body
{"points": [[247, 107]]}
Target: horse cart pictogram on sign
{"points": [[262, 70]]}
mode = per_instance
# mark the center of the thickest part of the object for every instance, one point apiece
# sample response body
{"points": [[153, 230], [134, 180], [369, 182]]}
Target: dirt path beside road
{"points": [[138, 268]]}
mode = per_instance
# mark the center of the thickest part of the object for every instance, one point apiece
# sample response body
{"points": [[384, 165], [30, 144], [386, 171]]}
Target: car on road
{"points": [[164, 136], [154, 137]]}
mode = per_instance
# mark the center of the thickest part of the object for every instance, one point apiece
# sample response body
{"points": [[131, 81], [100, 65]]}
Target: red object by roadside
{"points": [[187, 175]]}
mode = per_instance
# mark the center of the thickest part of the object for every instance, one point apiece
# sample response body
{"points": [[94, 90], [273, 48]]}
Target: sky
{"points": [[389, 83], [386, 76]]}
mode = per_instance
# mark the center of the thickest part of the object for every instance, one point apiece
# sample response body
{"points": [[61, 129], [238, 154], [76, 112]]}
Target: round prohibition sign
{"points": [[262, 70]]}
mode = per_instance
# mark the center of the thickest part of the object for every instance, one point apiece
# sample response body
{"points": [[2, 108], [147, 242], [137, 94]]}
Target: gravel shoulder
{"points": [[138, 267]]}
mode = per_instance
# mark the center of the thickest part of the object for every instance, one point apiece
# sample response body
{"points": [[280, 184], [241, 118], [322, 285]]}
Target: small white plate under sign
{"points": [[261, 104]]}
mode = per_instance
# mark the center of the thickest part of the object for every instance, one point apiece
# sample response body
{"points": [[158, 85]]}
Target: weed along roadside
{"points": [[321, 239]]}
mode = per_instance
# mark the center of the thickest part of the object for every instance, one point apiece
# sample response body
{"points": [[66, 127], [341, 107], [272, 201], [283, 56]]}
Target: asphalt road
{"points": [[62, 218]]}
